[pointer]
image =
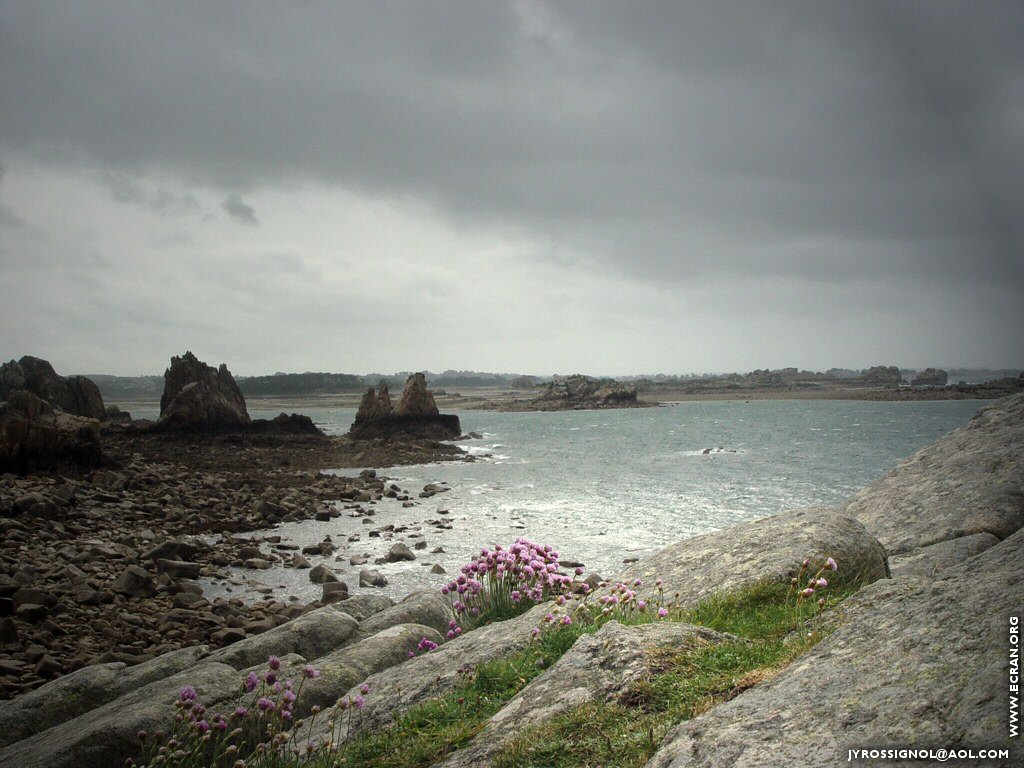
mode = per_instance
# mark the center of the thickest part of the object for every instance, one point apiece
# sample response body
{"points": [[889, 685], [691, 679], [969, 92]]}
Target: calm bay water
{"points": [[604, 486]]}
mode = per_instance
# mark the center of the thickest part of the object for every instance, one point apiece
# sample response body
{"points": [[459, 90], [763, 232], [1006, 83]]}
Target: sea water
{"points": [[605, 487]]}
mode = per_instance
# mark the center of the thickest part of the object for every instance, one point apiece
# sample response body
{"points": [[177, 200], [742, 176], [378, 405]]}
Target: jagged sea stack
{"points": [[415, 416], [48, 421], [76, 395], [198, 397]]}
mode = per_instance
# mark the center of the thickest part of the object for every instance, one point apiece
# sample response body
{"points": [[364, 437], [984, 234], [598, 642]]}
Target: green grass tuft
{"points": [[682, 685]]}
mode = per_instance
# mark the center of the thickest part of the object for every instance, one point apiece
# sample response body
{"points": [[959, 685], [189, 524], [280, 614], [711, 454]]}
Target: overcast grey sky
{"points": [[527, 186]]}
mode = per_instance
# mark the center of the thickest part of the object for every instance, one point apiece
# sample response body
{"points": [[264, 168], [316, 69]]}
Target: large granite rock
{"points": [[769, 549], [970, 481], [422, 608], [397, 689], [931, 377], [347, 667], [879, 376], [86, 689], [106, 736], [415, 416], [311, 635], [199, 397], [578, 391], [916, 663], [76, 395], [36, 436], [598, 668], [928, 561]]}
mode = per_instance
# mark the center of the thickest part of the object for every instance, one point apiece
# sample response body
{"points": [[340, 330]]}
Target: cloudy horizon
{"points": [[531, 187]]}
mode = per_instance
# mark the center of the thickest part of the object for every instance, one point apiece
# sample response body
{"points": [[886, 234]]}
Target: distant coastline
{"points": [[487, 399]]}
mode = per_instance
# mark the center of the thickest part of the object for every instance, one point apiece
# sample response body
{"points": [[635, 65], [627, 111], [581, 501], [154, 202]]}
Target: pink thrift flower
{"points": [[663, 612]]}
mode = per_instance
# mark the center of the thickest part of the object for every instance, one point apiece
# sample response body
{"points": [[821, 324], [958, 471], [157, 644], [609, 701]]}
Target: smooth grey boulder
{"points": [[347, 667], [769, 549], [427, 608], [362, 607], [108, 735], [311, 635], [928, 561], [970, 481], [90, 687], [916, 662], [598, 668]]}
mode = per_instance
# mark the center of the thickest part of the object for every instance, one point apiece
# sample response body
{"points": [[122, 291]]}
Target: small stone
{"points": [[259, 627], [321, 575], [8, 631], [228, 635], [47, 667], [333, 592], [134, 582], [372, 579], [178, 569], [32, 613], [399, 552]]}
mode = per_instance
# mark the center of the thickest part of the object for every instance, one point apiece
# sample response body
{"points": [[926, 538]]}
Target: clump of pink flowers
{"points": [[258, 729], [811, 582], [503, 582]]}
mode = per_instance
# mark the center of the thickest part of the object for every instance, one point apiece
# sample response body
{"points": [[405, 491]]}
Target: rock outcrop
{"points": [[198, 397], [583, 392], [75, 395], [931, 377], [36, 436], [416, 400], [879, 376], [416, 414], [91, 719], [913, 665], [375, 405], [769, 549]]}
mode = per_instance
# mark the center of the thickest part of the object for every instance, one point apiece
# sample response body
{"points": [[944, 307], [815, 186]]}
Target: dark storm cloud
{"points": [[124, 190], [237, 209], [665, 138]]}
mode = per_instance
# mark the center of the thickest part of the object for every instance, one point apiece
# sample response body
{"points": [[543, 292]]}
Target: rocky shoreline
{"points": [[938, 541], [102, 567]]}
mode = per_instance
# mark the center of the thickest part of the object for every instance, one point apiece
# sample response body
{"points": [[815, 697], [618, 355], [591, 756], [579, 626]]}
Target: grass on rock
{"points": [[682, 684]]}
